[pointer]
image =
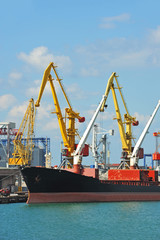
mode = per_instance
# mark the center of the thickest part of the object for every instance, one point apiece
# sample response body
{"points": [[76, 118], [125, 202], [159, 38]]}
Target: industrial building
{"points": [[7, 134], [9, 174]]}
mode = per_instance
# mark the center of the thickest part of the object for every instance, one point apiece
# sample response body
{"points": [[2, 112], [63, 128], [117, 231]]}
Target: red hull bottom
{"points": [[71, 197]]}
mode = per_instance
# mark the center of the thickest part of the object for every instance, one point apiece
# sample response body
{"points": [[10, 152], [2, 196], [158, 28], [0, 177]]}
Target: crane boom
{"points": [[134, 158], [108, 88], [59, 114], [43, 84], [88, 129]]}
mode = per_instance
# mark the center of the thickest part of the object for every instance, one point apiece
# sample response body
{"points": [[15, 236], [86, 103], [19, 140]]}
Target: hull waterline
{"points": [[91, 197]]}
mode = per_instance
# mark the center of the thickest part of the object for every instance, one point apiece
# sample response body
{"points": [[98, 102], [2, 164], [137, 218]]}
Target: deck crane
{"points": [[134, 156], [124, 126], [77, 154], [68, 134], [23, 146]]}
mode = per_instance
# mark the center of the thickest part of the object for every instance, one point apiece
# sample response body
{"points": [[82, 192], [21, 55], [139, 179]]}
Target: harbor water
{"points": [[108, 221]]}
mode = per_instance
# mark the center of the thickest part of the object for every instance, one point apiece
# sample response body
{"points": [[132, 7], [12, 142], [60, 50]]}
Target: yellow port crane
{"points": [[23, 146], [125, 128], [68, 134]]}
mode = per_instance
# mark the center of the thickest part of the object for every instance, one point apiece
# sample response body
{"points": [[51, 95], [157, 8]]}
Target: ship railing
{"points": [[130, 183]]}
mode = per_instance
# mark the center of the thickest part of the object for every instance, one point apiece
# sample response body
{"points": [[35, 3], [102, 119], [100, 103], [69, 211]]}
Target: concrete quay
{"points": [[14, 198]]}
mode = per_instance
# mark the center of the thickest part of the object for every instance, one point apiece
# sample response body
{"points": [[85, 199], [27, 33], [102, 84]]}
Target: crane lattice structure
{"points": [[23, 145]]}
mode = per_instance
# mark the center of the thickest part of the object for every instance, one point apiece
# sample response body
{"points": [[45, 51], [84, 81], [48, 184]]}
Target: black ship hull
{"points": [[54, 185]]}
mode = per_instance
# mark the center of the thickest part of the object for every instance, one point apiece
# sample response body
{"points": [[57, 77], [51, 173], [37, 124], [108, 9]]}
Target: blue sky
{"points": [[88, 40]]}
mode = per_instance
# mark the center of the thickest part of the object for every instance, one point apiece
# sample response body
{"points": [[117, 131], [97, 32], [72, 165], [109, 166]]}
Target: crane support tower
{"points": [[68, 134], [23, 146], [156, 154]]}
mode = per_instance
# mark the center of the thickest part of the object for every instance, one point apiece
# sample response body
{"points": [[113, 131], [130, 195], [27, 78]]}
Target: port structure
{"points": [[7, 134], [23, 146], [44, 144], [101, 156], [156, 154], [41, 142], [69, 131], [151, 157]]}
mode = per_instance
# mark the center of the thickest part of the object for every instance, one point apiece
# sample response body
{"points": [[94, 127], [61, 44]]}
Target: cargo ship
{"points": [[61, 185], [79, 184]]}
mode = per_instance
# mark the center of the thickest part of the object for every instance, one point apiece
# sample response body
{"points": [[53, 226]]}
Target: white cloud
{"points": [[34, 90], [141, 118], [113, 53], [154, 35], [46, 123], [6, 101], [131, 58], [75, 91], [106, 115], [15, 75], [40, 58], [51, 125], [86, 72], [43, 115], [18, 110], [107, 25], [110, 22], [44, 112], [120, 18]]}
